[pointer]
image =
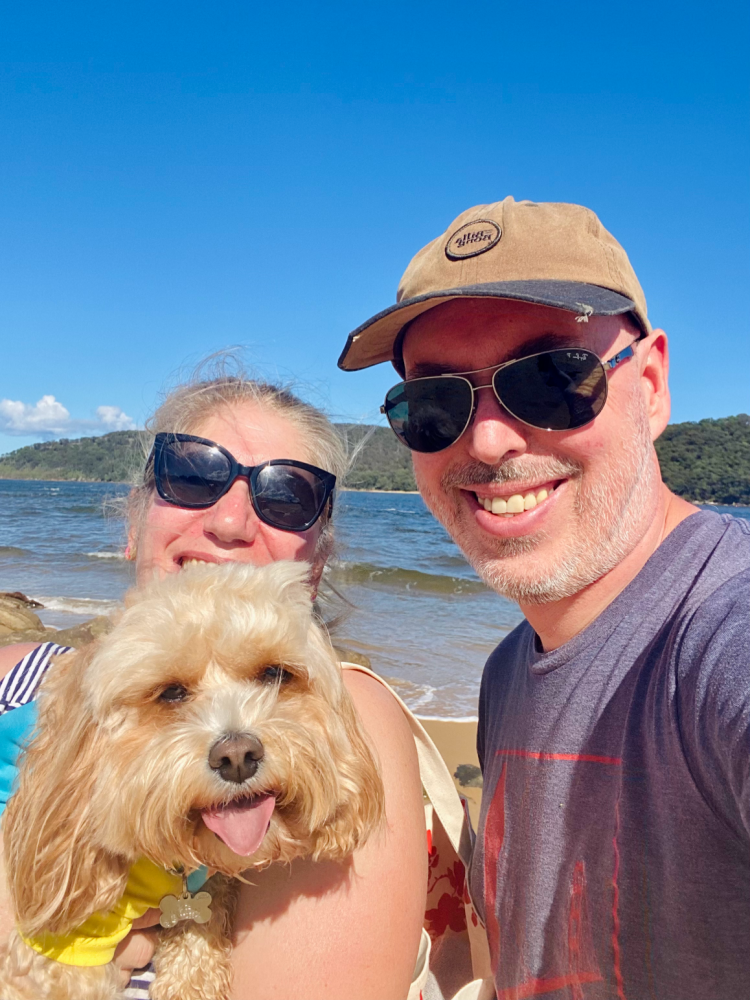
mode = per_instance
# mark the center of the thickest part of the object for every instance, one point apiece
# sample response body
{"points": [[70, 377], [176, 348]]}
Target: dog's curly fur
{"points": [[116, 772]]}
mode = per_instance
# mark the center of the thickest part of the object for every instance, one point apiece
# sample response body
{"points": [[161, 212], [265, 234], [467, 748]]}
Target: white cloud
{"points": [[50, 419], [45, 417], [114, 419]]}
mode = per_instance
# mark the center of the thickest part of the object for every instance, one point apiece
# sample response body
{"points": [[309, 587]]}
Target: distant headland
{"points": [[707, 461]]}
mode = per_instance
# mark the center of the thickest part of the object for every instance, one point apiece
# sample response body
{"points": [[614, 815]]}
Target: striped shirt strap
{"points": [[20, 685]]}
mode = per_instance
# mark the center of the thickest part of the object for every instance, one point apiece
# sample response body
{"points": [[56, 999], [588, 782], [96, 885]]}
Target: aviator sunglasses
{"points": [[554, 390], [193, 472]]}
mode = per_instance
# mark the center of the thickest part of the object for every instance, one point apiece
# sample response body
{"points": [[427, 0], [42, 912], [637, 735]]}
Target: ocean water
{"points": [[417, 610]]}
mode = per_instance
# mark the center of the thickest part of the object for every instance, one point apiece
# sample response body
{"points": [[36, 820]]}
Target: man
{"points": [[613, 852]]}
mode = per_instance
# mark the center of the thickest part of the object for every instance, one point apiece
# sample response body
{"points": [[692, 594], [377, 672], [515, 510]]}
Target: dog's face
{"points": [[224, 735]]}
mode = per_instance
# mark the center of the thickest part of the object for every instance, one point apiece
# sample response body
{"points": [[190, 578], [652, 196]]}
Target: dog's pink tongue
{"points": [[241, 825]]}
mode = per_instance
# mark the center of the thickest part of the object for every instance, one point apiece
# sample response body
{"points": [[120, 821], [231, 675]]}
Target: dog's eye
{"points": [[275, 675], [175, 692]]}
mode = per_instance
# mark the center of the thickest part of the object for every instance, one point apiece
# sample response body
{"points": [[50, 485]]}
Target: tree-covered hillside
{"points": [[704, 461], [111, 458], [708, 460], [380, 462]]}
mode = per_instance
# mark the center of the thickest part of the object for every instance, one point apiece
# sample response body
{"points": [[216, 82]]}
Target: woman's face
{"points": [[230, 531]]}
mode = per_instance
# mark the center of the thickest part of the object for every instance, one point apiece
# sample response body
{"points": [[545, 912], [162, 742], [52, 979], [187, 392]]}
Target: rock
{"points": [[468, 776], [78, 635], [16, 595], [347, 655], [16, 617], [28, 635], [83, 634]]}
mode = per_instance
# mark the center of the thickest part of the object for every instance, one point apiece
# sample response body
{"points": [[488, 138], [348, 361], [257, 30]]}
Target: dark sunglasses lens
{"points": [[429, 414], [557, 391], [289, 497], [192, 474]]}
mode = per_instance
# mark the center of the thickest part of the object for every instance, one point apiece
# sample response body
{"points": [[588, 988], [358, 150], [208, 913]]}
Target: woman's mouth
{"points": [[185, 562], [511, 504]]}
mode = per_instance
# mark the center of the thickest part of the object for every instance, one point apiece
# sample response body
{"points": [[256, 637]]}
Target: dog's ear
{"points": [[57, 875], [361, 809]]}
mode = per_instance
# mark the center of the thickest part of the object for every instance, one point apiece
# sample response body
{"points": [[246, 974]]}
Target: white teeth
{"points": [[193, 562], [515, 504]]}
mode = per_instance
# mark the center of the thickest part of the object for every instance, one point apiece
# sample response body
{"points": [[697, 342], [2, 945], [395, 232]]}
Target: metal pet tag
{"points": [[186, 906]]}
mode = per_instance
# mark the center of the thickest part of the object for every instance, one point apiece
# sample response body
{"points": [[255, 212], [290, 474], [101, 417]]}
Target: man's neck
{"points": [[560, 621]]}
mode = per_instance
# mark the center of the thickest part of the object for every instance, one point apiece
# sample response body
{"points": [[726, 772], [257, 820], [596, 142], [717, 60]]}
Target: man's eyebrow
{"points": [[544, 342]]}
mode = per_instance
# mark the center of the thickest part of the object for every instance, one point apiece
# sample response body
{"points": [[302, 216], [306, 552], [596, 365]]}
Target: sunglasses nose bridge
{"points": [[493, 432]]}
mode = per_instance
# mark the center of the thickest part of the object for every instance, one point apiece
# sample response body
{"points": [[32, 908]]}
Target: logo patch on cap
{"points": [[472, 239]]}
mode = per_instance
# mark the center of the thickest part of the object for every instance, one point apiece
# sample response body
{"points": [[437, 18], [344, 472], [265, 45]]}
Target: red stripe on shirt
{"points": [[541, 755]]}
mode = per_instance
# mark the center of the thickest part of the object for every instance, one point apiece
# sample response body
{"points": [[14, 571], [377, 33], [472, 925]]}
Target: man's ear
{"points": [[654, 354]]}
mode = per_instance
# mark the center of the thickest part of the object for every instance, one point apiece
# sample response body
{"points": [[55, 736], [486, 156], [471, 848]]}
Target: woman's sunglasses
{"points": [[554, 390], [192, 472]]}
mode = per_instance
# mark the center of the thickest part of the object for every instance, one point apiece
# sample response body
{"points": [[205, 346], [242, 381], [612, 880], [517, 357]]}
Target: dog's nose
{"points": [[236, 757]]}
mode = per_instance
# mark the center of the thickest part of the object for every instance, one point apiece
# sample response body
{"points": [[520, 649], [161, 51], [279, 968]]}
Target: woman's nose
{"points": [[232, 518], [494, 435]]}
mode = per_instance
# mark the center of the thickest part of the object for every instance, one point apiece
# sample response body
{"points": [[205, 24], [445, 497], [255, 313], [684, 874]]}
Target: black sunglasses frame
{"points": [[163, 440], [606, 366]]}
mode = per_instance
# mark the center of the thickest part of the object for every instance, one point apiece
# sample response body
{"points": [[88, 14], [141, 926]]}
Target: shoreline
{"points": [[115, 482], [354, 489], [342, 489]]}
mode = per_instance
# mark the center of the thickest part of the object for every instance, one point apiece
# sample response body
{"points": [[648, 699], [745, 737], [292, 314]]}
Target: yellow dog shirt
{"points": [[94, 942]]}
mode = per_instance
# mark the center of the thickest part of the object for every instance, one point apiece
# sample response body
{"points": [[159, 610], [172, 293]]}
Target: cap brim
{"points": [[372, 343]]}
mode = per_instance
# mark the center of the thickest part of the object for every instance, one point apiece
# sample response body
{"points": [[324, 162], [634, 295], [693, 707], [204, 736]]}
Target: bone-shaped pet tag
{"points": [[186, 906]]}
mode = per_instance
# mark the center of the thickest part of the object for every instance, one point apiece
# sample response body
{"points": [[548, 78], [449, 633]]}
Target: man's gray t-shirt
{"points": [[613, 852]]}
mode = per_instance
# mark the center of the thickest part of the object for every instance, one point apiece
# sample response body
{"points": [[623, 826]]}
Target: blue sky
{"points": [[180, 177]]}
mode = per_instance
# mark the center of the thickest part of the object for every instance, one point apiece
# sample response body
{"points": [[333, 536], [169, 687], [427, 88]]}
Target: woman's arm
{"points": [[334, 932]]}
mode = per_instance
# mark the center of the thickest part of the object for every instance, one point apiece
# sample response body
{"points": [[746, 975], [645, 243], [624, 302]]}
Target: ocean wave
{"points": [[404, 579], [106, 555], [12, 550], [415, 695], [88, 606]]}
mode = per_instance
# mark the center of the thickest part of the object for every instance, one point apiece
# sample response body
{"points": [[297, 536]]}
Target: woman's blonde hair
{"points": [[186, 407]]}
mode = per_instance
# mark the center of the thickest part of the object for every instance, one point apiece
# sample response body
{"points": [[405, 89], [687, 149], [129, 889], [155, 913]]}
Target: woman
{"points": [[312, 930]]}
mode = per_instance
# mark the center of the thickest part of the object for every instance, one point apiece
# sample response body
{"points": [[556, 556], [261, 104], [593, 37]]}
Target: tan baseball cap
{"points": [[548, 253]]}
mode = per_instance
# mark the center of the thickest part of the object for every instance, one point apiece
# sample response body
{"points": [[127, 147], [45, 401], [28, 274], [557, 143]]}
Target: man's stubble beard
{"points": [[608, 514]]}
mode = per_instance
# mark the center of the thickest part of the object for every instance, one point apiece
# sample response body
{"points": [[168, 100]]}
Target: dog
{"points": [[212, 728]]}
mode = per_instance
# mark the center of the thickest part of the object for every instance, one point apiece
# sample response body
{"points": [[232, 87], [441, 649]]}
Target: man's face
{"points": [[601, 480]]}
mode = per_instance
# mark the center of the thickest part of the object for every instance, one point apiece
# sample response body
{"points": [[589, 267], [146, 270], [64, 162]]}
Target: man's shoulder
{"points": [[720, 592], [696, 563], [717, 625]]}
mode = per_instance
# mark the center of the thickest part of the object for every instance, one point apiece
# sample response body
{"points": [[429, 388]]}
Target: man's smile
{"points": [[509, 503]]}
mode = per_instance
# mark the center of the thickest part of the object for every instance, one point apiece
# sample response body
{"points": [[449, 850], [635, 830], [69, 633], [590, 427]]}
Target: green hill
{"points": [[704, 461], [380, 462], [111, 458], [708, 460]]}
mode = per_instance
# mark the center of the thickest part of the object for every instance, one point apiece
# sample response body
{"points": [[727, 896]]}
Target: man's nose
{"points": [[232, 518], [494, 435]]}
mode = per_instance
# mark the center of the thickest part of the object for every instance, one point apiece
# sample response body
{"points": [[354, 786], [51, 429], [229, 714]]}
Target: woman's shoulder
{"points": [[10, 656], [380, 711]]}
